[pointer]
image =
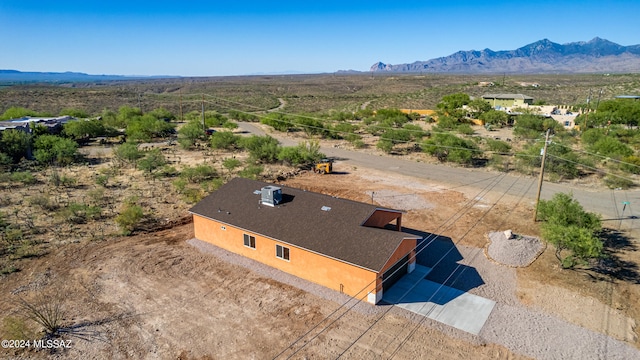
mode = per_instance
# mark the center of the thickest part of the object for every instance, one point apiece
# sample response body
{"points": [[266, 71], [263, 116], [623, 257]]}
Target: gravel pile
{"points": [[513, 250]]}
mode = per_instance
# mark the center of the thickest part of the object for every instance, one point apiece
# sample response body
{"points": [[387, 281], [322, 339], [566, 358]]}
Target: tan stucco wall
{"points": [[307, 265]]}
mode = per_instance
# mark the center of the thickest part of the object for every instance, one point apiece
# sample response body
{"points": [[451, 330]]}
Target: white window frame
{"points": [[285, 253], [250, 240]]}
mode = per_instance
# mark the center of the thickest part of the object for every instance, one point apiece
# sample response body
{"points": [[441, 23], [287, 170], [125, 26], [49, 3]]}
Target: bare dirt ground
{"points": [[155, 295]]}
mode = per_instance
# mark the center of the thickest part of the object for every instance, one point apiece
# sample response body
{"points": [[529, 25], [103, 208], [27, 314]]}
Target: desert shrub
{"points": [[43, 201], [129, 218], [224, 140], [416, 131], [494, 118], [168, 171], [15, 143], [278, 122], [251, 172], [310, 125], [96, 196], [306, 152], [16, 112], [530, 126], [198, 173], [102, 180], [262, 149], [147, 128], [83, 130], [591, 136], [152, 161], [190, 133], [45, 309], [631, 164], [162, 114], [56, 179], [128, 152], [51, 149], [392, 137], [498, 146], [610, 147], [79, 213], [448, 147], [344, 129], [561, 160], [571, 229], [358, 143], [214, 119], [242, 116], [230, 125], [231, 163], [617, 182], [446, 123], [465, 129], [24, 177]]}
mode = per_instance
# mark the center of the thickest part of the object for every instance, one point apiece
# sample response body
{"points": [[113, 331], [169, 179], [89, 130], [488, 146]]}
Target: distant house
{"points": [[508, 100], [53, 124], [348, 246]]}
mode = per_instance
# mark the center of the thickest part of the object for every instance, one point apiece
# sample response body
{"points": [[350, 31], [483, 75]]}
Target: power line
{"points": [[460, 274], [358, 300], [432, 236], [435, 265]]}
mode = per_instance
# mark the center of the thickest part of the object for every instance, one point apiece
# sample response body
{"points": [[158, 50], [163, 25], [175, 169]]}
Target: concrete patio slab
{"points": [[445, 304]]}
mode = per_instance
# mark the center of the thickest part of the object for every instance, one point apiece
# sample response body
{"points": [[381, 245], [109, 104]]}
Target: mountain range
{"points": [[543, 56], [16, 77]]}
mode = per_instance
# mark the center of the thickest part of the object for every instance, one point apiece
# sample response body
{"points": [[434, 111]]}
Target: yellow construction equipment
{"points": [[325, 166]]}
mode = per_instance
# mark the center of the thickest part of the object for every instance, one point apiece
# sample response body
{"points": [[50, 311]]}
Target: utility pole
{"points": [[586, 115], [544, 158], [204, 128], [181, 116]]}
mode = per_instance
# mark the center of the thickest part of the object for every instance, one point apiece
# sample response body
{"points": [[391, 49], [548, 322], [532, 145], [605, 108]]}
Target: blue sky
{"points": [[216, 38]]}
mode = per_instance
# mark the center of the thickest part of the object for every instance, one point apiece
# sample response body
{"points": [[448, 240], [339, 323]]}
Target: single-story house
{"points": [[508, 100], [348, 246]]}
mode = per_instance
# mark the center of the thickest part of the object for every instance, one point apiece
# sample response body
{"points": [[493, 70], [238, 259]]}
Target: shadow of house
{"points": [[440, 254]]}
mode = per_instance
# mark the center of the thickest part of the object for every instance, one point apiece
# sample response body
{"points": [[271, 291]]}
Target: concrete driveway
{"points": [[453, 307]]}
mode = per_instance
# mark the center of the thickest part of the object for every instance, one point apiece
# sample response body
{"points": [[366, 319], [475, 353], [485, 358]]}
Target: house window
{"points": [[282, 252], [250, 241]]}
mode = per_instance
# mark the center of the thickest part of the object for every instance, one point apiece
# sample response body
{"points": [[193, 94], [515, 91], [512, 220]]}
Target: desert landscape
{"points": [[160, 293]]}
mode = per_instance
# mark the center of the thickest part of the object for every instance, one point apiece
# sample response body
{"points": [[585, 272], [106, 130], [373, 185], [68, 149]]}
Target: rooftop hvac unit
{"points": [[271, 195]]}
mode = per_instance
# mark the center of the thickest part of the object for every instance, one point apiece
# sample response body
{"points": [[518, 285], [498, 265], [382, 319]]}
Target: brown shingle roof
{"points": [[301, 222]]}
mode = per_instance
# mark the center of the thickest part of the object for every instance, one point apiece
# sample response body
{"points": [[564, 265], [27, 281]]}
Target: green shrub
{"points": [[129, 218], [251, 172], [24, 177], [263, 149], [128, 152], [448, 147], [465, 129], [79, 213], [570, 229], [617, 182], [152, 161], [498, 146], [278, 121], [224, 140], [198, 174]]}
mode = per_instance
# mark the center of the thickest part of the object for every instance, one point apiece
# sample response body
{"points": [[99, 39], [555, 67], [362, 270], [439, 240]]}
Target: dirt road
{"points": [[608, 203]]}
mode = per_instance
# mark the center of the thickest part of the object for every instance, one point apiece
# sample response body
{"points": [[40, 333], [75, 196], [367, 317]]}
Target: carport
{"points": [[444, 304]]}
